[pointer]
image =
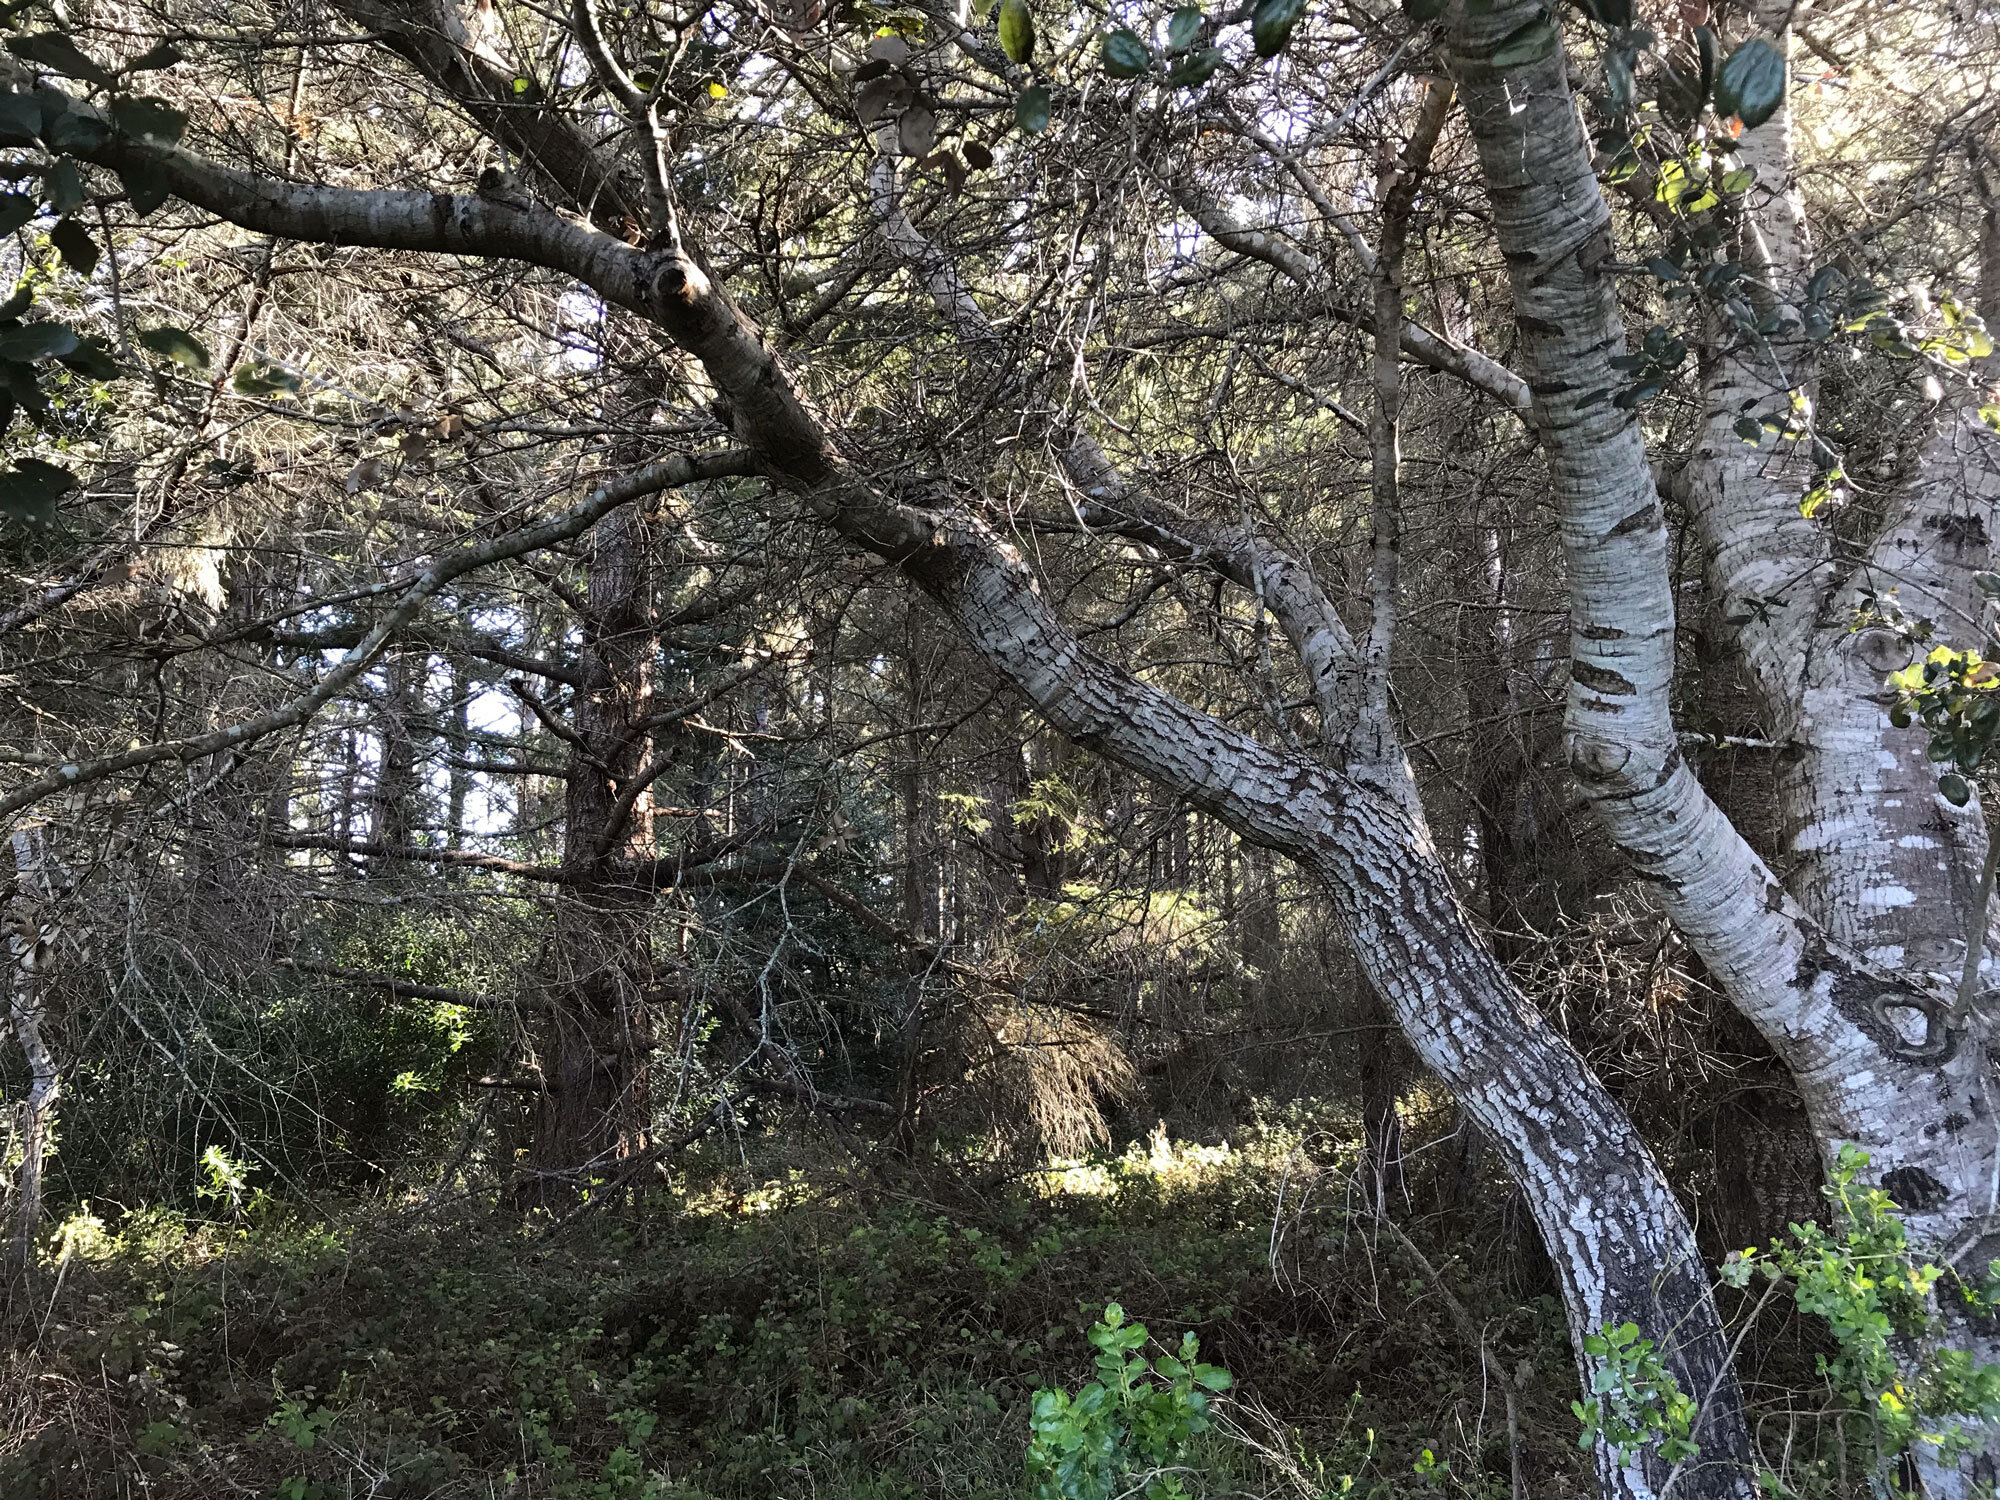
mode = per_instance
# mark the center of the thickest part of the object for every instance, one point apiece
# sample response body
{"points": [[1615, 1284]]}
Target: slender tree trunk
{"points": [[921, 918], [460, 786], [1382, 1077], [596, 1103], [392, 800], [27, 949]]}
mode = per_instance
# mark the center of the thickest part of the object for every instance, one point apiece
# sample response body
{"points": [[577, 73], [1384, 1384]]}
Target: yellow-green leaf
{"points": [[1017, 30]]}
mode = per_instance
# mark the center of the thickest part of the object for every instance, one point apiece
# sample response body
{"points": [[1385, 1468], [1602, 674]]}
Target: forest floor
{"points": [[857, 1331]]}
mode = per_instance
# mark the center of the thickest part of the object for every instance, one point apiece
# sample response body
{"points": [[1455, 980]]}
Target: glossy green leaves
{"points": [[149, 119], [1139, 1416], [31, 341], [1183, 26], [176, 344], [79, 250], [263, 378], [30, 489], [1751, 85], [1031, 110], [1124, 55], [1271, 24], [57, 53], [1195, 69]]}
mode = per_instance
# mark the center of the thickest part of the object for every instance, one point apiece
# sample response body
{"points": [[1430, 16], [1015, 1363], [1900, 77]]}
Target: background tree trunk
{"points": [[596, 1105]]}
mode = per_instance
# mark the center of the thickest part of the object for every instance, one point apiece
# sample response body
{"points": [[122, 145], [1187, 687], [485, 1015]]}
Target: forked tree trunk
{"points": [[1836, 976], [1619, 1240]]}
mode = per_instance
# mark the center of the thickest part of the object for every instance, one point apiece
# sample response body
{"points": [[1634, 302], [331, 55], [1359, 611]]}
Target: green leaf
{"points": [[1195, 69], [29, 491], [15, 210], [64, 182], [1017, 31], [159, 55], [1529, 42], [1271, 24], [263, 378], [1618, 65], [176, 344], [1739, 180], [1749, 429], [57, 53], [1953, 788], [1124, 55], [1183, 26], [1031, 110], [1751, 85], [20, 302], [92, 357], [20, 120], [145, 187], [1423, 11], [150, 119], [66, 129], [32, 341], [79, 250], [1989, 584]]}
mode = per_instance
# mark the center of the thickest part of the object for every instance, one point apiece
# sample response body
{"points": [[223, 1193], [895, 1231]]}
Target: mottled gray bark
{"points": [[1848, 972]]}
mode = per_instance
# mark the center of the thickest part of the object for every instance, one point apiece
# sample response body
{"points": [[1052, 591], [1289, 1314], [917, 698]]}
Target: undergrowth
{"points": [[847, 1334]]}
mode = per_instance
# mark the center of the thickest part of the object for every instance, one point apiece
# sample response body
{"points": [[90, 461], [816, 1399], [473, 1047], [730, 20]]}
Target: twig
{"points": [[1473, 1335]]}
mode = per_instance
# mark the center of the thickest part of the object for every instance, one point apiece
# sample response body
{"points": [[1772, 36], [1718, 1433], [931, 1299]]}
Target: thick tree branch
{"points": [[568, 167]]}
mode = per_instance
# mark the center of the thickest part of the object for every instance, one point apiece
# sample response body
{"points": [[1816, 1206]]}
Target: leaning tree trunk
{"points": [[1621, 1245]]}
